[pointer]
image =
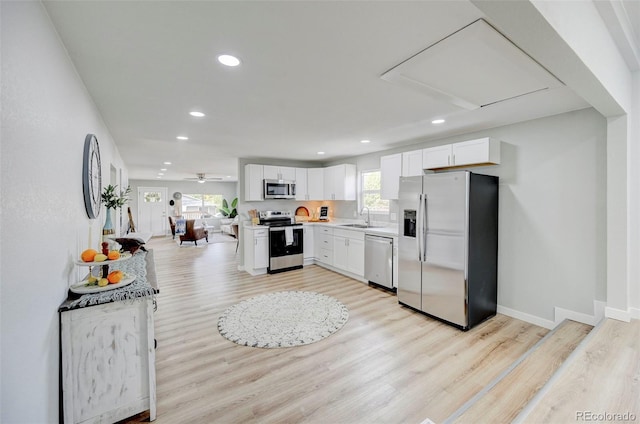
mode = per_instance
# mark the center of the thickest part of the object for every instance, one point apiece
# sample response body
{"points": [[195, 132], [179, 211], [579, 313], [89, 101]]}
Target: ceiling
{"points": [[309, 81]]}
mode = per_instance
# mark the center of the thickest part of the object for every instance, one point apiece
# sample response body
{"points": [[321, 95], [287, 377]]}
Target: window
{"points": [[207, 204], [152, 197], [371, 196]]}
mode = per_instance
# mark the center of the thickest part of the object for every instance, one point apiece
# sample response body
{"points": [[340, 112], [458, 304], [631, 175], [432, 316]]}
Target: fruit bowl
{"points": [[84, 287], [123, 257]]}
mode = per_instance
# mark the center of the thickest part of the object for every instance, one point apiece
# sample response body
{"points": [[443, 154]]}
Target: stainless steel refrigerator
{"points": [[448, 246]]}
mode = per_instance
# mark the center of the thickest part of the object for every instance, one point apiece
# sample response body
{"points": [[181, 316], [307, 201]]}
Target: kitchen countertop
{"points": [[389, 231]]}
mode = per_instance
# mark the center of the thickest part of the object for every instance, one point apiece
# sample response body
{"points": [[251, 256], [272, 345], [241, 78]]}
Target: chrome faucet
{"points": [[368, 220]]}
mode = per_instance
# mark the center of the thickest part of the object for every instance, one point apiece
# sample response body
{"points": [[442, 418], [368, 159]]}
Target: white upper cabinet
{"points": [[279, 173], [315, 183], [340, 182], [412, 163], [302, 192], [390, 172], [482, 151], [253, 180], [437, 157]]}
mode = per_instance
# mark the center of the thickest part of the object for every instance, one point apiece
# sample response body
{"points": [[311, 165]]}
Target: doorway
{"points": [[152, 210]]}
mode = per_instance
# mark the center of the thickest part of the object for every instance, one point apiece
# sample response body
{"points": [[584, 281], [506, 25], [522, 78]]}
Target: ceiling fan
{"points": [[201, 178]]}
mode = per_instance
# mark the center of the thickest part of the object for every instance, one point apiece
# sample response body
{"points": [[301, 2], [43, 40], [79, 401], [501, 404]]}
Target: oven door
{"points": [[280, 245], [285, 248]]}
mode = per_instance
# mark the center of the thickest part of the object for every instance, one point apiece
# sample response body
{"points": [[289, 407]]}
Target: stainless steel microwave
{"points": [[279, 189]]}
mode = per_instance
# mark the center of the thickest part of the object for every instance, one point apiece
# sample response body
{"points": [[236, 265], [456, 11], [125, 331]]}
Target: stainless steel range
{"points": [[285, 241]]}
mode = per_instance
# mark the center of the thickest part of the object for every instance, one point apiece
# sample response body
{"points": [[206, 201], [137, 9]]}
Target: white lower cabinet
{"points": [[323, 244], [308, 241], [256, 250], [348, 251]]}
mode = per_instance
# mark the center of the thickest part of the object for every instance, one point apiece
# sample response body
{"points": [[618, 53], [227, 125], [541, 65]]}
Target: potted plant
{"points": [[229, 212], [111, 200]]}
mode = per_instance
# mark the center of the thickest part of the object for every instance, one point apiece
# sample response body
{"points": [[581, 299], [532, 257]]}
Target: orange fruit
{"points": [[88, 255], [113, 255], [114, 277]]}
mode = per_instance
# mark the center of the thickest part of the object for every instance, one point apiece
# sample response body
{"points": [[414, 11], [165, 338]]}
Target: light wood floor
{"points": [[603, 378], [388, 364]]}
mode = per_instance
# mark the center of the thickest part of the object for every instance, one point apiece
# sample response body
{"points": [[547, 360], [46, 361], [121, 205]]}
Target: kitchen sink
{"points": [[357, 226]]}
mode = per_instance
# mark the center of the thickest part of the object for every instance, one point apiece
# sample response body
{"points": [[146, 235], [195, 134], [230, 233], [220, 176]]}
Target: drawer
{"points": [[325, 241], [263, 232], [325, 230], [326, 256]]}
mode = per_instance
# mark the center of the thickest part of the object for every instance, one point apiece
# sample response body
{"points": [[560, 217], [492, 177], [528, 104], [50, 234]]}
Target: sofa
{"points": [[226, 225]]}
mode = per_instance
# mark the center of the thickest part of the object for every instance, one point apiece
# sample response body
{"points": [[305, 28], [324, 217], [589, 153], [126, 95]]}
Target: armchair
{"points": [[193, 233]]}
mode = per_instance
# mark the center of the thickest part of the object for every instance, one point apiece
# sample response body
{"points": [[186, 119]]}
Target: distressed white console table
{"points": [[108, 356]]}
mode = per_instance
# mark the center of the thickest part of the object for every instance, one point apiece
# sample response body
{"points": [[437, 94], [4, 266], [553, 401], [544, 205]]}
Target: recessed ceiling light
{"points": [[228, 60], [182, 137], [201, 181], [321, 153], [158, 177], [438, 121], [167, 163], [160, 173], [196, 114], [365, 141], [228, 176], [163, 169]]}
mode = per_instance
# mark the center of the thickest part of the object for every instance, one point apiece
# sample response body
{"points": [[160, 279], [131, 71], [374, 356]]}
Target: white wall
{"points": [[46, 114]]}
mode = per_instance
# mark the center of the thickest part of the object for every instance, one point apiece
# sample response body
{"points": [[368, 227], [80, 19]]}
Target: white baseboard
{"points": [[526, 317], [635, 313], [618, 314], [240, 267], [560, 314]]}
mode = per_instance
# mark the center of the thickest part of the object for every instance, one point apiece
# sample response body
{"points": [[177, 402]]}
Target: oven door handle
{"points": [[295, 227]]}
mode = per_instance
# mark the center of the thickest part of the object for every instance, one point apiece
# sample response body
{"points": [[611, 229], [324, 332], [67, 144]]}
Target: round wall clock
{"points": [[91, 176]]}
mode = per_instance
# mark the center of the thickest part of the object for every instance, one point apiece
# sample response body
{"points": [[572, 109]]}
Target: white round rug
{"points": [[283, 319]]}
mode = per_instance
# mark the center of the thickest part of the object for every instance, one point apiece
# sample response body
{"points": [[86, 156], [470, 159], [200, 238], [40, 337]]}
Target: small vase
{"points": [[108, 226]]}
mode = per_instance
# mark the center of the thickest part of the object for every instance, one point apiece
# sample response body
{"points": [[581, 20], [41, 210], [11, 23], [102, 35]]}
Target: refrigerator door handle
{"points": [[418, 230], [424, 228]]}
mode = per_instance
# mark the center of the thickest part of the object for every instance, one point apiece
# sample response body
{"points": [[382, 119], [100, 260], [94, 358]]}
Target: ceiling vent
{"points": [[475, 66]]}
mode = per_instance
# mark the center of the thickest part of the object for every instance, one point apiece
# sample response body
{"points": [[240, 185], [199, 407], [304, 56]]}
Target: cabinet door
{"points": [[437, 157], [315, 183], [287, 173], [340, 252], [271, 172], [301, 184], [329, 183], [253, 176], [412, 163], [340, 182], [356, 256], [261, 252], [390, 171], [308, 242], [480, 151]]}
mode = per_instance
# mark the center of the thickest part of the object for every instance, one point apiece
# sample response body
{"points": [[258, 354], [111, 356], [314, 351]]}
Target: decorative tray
{"points": [[83, 288], [123, 257]]}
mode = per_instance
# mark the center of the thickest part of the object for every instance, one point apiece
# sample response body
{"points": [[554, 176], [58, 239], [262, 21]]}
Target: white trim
{"points": [[618, 314], [560, 314], [526, 317], [635, 313]]}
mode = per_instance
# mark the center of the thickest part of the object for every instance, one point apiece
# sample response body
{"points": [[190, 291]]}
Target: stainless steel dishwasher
{"points": [[378, 260]]}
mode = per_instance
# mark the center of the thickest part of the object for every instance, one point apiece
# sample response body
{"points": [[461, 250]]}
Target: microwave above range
{"points": [[279, 189]]}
